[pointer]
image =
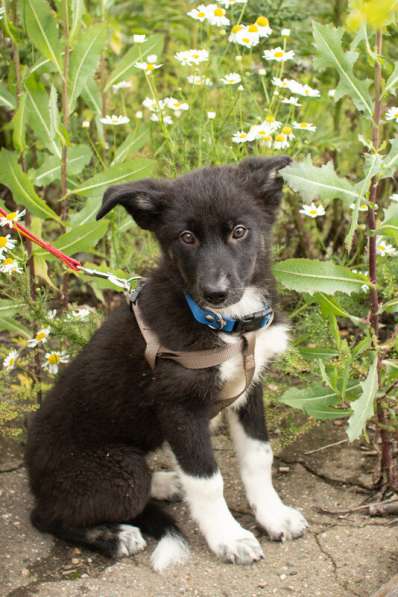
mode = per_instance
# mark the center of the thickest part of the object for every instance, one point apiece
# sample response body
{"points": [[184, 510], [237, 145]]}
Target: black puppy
{"points": [[87, 445]]}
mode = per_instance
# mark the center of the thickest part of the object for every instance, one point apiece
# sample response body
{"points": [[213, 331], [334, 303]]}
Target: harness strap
{"points": [[199, 359]]}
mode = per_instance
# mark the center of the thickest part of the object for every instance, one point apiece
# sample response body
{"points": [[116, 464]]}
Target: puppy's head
{"points": [[213, 225]]}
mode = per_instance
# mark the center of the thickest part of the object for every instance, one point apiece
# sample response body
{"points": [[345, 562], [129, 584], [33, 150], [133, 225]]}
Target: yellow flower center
{"points": [[8, 261], [243, 135], [279, 54], [219, 12], [252, 28], [150, 67], [3, 242], [313, 212], [201, 14], [266, 137], [11, 362], [262, 22], [195, 55], [270, 118], [11, 216], [281, 137], [303, 125], [41, 335], [287, 130], [237, 28], [53, 359], [396, 114], [246, 40]]}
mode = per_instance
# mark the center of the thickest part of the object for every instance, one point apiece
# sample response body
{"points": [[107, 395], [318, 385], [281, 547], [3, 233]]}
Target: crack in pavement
{"points": [[331, 559], [12, 469], [323, 477]]}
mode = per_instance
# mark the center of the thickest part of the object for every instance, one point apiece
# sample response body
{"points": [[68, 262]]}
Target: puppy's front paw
{"points": [[282, 523], [244, 549], [130, 541]]}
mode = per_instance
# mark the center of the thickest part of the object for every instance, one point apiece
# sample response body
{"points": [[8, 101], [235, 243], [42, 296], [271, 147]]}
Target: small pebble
{"points": [[283, 577], [25, 572]]}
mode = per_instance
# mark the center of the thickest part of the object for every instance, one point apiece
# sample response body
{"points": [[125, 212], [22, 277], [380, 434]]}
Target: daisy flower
{"points": [[86, 124], [292, 101], [392, 114], [12, 218], [53, 360], [384, 248], [198, 13], [261, 131], [242, 137], [199, 80], [312, 211], [285, 32], [281, 141], [305, 90], [272, 123], [282, 83], [394, 197], [150, 65], [114, 120], [304, 126], [288, 131], [122, 85], [216, 15], [362, 206], [278, 54], [190, 57], [262, 23], [81, 313], [228, 3], [241, 35], [6, 243], [40, 338], [9, 266], [139, 114], [10, 360], [175, 104], [211, 115], [139, 39], [231, 79]]}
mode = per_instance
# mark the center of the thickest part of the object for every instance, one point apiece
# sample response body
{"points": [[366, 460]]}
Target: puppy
{"points": [[87, 445]]}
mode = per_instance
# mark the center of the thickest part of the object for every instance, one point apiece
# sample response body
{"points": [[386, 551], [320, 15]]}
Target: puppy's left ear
{"points": [[261, 178]]}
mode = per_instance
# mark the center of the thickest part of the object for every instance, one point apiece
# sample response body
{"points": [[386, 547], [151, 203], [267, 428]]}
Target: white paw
{"points": [[130, 541], [281, 522], [244, 549], [172, 549], [166, 485]]}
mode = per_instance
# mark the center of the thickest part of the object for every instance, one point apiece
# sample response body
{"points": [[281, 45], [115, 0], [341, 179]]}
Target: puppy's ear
{"points": [[144, 200], [260, 177]]}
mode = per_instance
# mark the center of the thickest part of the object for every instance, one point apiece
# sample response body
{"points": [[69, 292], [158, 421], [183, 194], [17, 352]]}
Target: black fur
{"points": [[87, 443]]}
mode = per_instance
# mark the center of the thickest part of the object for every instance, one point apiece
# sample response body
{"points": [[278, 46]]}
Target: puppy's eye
{"points": [[239, 232], [187, 237]]}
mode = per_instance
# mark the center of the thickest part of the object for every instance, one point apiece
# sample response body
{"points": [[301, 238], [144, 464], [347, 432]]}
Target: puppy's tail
{"points": [[172, 547], [117, 540]]}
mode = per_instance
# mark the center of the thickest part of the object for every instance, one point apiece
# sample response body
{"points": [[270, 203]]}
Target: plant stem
{"points": [[387, 472], [65, 118]]}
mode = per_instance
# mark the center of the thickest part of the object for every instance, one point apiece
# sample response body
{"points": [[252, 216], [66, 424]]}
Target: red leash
{"points": [[68, 261]]}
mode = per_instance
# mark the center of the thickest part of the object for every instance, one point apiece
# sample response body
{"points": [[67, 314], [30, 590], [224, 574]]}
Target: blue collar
{"points": [[216, 321]]}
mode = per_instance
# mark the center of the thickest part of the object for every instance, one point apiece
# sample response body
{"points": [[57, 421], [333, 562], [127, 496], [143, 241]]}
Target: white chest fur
{"points": [[269, 343]]}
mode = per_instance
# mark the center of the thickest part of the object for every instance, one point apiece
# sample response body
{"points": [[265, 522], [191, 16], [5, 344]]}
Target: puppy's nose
{"points": [[216, 294]]}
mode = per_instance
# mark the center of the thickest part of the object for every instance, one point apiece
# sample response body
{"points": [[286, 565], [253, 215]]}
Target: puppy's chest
{"points": [[269, 342]]}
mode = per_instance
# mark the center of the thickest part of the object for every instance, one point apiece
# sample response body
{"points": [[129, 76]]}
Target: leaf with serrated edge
{"points": [[311, 276], [85, 58], [115, 175], [330, 54], [363, 407], [80, 239], [78, 157], [42, 30], [13, 177], [313, 181], [133, 142], [77, 11], [392, 82], [39, 115], [390, 162]]}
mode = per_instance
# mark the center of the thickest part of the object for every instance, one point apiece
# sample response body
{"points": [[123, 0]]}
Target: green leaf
{"points": [[125, 67], [390, 162], [13, 177], [115, 175], [390, 306], [14, 326], [40, 116], [7, 100], [331, 306], [19, 125], [132, 143], [318, 353], [78, 157], [92, 96], [41, 28], [389, 226], [8, 308], [323, 182], [363, 407], [77, 11], [325, 413], [310, 275], [392, 81], [391, 367], [84, 59], [81, 239], [316, 401], [87, 213], [328, 42]]}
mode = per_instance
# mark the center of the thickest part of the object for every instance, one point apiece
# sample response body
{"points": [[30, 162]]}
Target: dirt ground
{"points": [[338, 557]]}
